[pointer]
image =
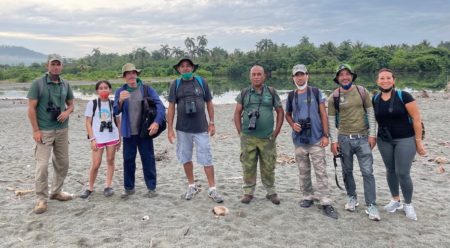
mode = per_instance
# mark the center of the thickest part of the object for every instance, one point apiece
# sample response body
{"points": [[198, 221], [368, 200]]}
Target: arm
{"points": [[211, 126], [170, 117], [324, 118], [65, 114], [372, 127], [88, 124], [413, 111], [279, 123], [118, 121], [32, 105], [295, 126], [237, 117]]}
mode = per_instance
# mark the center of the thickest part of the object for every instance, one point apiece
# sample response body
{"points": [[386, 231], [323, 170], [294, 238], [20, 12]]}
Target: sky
{"points": [[73, 28]]}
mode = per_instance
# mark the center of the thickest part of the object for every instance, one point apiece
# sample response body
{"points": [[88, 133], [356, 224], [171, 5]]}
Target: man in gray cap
{"points": [[191, 94], [352, 132], [50, 102], [306, 114]]}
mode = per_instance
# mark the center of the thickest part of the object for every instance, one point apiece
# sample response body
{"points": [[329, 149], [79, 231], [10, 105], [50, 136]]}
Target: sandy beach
{"points": [[170, 221]]}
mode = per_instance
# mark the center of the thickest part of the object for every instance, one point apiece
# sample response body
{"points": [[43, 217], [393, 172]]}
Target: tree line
{"points": [[276, 58]]}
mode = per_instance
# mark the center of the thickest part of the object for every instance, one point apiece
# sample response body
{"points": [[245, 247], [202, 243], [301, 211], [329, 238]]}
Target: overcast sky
{"points": [[74, 27]]}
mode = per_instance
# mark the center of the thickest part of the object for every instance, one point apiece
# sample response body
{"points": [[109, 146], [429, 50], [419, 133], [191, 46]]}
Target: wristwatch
{"points": [[211, 123], [325, 135]]}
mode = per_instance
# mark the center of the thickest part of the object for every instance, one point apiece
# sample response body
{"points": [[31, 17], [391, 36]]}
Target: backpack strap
{"points": [[272, 93], [198, 79], [362, 94], [316, 93]]}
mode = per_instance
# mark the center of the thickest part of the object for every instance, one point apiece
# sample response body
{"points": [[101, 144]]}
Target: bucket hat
{"points": [[344, 67], [195, 66]]}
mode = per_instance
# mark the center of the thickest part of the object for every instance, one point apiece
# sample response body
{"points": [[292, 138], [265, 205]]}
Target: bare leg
{"points": [[96, 161], [189, 170], [110, 161], [209, 171]]}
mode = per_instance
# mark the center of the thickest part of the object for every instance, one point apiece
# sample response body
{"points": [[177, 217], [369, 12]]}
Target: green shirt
{"points": [[265, 122], [352, 117], [43, 89]]}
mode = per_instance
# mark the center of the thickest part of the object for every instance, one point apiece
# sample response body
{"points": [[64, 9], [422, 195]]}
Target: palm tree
{"points": [[190, 46]]}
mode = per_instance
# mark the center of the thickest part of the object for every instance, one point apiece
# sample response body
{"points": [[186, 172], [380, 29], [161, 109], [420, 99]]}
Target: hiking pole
{"points": [[339, 155]]}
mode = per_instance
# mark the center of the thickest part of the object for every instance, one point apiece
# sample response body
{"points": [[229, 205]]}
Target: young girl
{"points": [[103, 132]]}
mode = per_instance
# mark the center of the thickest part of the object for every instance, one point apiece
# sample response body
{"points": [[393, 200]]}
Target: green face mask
{"points": [[186, 76]]}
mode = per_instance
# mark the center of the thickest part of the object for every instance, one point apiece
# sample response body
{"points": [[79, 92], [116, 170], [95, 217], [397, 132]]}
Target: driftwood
{"points": [[284, 159], [220, 211], [20, 192]]}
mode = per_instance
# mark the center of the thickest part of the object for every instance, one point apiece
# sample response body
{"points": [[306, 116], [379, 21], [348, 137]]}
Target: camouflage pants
{"points": [[252, 150], [305, 155]]}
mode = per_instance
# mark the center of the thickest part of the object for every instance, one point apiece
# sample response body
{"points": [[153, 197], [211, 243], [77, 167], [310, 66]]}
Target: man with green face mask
{"points": [[191, 94]]}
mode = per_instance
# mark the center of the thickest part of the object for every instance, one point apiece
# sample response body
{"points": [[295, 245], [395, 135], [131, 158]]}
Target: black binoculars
{"points": [[107, 125]]}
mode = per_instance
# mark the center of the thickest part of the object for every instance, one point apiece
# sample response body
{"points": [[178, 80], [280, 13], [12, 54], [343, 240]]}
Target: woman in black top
{"points": [[399, 138]]}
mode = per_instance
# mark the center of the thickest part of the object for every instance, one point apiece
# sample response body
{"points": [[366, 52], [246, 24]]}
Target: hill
{"points": [[14, 55]]}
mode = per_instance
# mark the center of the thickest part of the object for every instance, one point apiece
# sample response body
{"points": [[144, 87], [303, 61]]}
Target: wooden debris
{"points": [[21, 192], [440, 169], [441, 160], [162, 156], [284, 159], [220, 211]]}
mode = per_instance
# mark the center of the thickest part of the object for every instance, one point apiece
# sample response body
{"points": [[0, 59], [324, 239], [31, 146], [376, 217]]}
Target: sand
{"points": [[170, 221]]}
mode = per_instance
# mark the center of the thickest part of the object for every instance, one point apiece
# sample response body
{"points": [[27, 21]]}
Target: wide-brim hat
{"points": [[130, 67], [195, 66], [344, 67]]}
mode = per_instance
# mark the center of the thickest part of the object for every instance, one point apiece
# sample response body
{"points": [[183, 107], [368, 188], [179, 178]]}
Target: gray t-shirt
{"points": [[301, 112], [190, 96], [135, 111]]}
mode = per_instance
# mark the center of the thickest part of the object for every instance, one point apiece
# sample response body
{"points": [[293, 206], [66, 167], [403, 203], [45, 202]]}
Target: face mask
{"points": [[303, 86], [186, 76], [104, 94], [348, 86], [385, 90]]}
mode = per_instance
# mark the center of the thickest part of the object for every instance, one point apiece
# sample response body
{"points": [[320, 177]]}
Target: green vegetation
{"points": [[276, 59]]}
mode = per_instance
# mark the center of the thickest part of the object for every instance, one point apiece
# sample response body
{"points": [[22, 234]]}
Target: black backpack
{"points": [[149, 112]]}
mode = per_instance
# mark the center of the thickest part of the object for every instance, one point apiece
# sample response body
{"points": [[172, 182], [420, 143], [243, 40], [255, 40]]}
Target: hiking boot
{"points": [[127, 193], [351, 204], [190, 192], [392, 206], [41, 207], [86, 194], [61, 196], [108, 191], [246, 199], [273, 198], [329, 211], [306, 203], [409, 211], [373, 213], [151, 193], [215, 196]]}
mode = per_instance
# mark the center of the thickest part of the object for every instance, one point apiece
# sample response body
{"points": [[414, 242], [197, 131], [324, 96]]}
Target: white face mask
{"points": [[303, 86]]}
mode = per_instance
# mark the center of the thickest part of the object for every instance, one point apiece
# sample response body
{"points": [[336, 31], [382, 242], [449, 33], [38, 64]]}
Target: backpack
{"points": [[377, 98], [245, 91], [315, 93], [198, 79], [336, 101], [149, 112]]}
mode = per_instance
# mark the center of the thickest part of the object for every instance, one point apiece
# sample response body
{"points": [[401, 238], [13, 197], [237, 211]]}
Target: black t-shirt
{"points": [[189, 96], [398, 122]]}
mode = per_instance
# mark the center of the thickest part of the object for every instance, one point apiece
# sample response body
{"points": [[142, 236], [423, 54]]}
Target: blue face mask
{"points": [[186, 76], [348, 86]]}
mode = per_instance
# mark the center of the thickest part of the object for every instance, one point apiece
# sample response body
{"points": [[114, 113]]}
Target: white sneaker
{"points": [[409, 211], [351, 204], [373, 213], [392, 206]]}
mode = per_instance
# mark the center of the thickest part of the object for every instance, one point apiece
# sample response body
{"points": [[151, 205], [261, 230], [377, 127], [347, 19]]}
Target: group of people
{"points": [[350, 126]]}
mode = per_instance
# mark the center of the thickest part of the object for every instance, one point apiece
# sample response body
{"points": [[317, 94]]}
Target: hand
{"points": [[94, 145], [297, 128], [211, 129], [63, 116], [372, 142], [420, 148], [118, 145], [275, 134], [334, 148], [324, 141], [171, 135], [124, 95], [153, 129], [37, 136]]}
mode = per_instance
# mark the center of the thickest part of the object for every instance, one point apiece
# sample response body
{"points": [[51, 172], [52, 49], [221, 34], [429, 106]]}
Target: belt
{"points": [[353, 136]]}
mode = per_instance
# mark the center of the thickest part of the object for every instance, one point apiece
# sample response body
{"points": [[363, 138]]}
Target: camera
{"points": [[305, 123], [107, 125], [252, 116], [54, 111], [190, 107]]}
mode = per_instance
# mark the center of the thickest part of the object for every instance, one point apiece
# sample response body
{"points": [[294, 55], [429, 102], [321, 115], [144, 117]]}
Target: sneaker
{"points": [[191, 191], [273, 198], [373, 213], [246, 199], [329, 211], [306, 203], [351, 204], [151, 193], [215, 196], [392, 206], [108, 191], [86, 194], [409, 211], [41, 207], [61, 196], [127, 193]]}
